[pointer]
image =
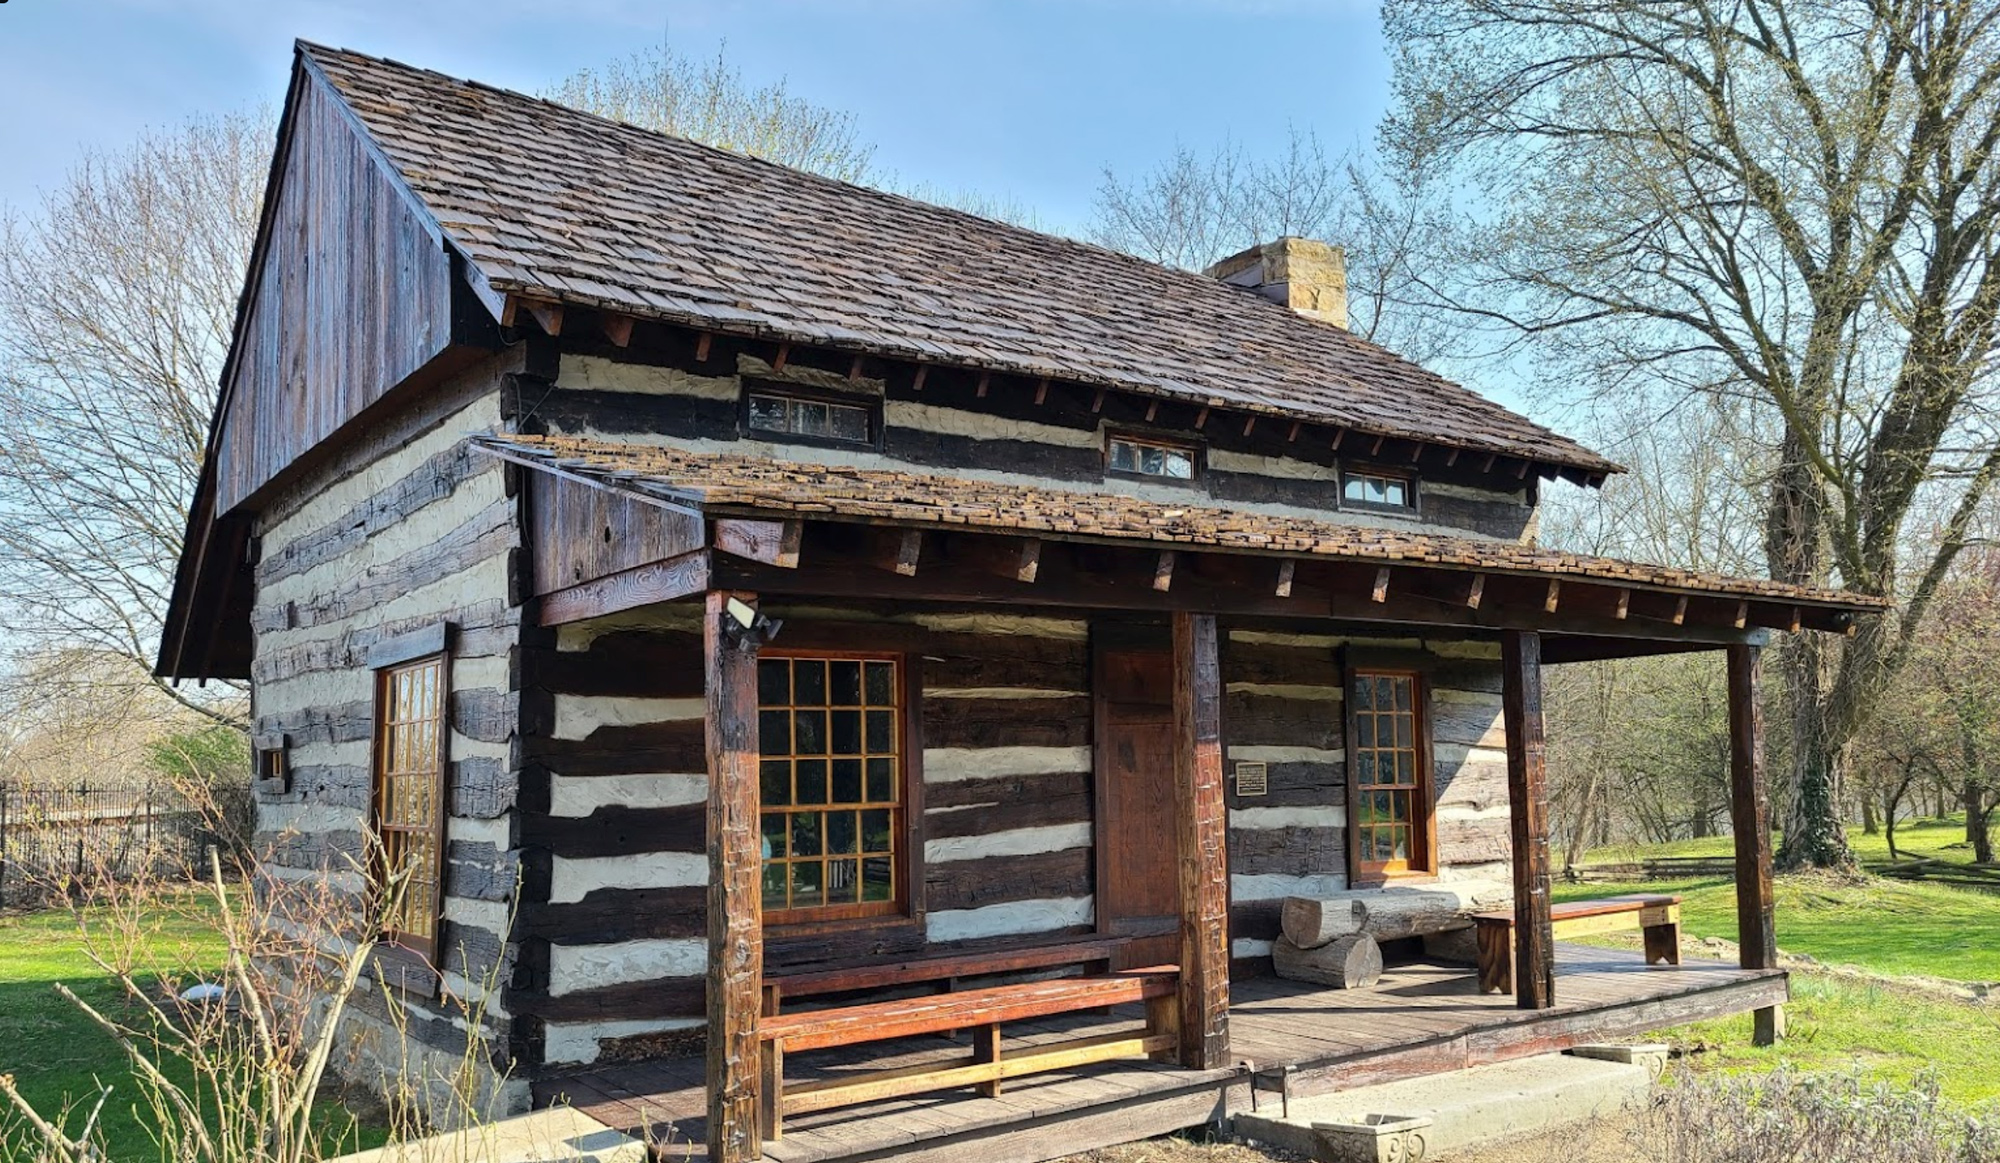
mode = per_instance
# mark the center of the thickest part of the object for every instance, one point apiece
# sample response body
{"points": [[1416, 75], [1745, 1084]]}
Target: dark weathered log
{"points": [[1004, 722], [1458, 946], [643, 585], [1527, 789], [735, 902], [1349, 962], [1750, 820], [771, 542], [1200, 829]]}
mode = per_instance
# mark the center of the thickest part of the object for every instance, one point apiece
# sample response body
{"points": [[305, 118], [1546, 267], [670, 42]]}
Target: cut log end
{"points": [[1349, 962]]}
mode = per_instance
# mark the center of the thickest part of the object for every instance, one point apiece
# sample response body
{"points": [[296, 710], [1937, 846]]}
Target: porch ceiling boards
{"points": [[1421, 1019], [1180, 555]]}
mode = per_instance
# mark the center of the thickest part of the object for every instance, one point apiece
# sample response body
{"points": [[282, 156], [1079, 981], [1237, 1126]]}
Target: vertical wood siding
{"points": [[353, 294]]}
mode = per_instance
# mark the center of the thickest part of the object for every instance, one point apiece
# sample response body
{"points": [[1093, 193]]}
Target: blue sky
{"points": [[1025, 100]]}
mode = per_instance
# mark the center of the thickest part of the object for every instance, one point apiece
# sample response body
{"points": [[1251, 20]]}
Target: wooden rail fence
{"points": [[1651, 869]]}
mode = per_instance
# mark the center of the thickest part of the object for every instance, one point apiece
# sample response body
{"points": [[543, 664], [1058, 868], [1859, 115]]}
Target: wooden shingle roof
{"points": [[728, 484], [549, 203]]}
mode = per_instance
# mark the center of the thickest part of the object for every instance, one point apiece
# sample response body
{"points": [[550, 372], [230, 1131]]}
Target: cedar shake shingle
{"points": [[547, 202], [728, 484]]}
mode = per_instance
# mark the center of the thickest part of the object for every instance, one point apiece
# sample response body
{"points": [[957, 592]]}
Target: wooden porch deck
{"points": [[1421, 1019]]}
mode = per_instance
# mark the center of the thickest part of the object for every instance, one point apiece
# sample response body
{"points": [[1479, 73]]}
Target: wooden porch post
{"points": [[1527, 793], [1750, 819], [735, 905], [1201, 838]]}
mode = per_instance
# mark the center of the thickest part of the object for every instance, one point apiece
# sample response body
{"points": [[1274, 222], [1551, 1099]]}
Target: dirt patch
{"points": [[1177, 1149], [1608, 1140]]}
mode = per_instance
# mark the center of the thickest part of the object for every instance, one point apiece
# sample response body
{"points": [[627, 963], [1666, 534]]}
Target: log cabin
{"points": [[763, 616]]}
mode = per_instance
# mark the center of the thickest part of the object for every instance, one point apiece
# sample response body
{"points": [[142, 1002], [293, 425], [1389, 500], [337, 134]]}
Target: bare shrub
{"points": [[1790, 1117], [248, 1078]]}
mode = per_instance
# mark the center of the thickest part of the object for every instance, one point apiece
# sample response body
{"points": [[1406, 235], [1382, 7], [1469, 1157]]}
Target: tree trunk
{"points": [[1969, 797], [1815, 834], [1979, 824], [1871, 824]]}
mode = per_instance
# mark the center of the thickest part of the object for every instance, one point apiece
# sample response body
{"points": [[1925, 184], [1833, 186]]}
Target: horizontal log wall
{"points": [[1285, 696], [409, 530], [698, 408], [618, 825]]}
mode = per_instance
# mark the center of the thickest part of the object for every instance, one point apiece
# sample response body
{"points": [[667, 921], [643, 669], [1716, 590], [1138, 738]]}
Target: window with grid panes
{"points": [[409, 779], [1389, 794], [830, 732]]}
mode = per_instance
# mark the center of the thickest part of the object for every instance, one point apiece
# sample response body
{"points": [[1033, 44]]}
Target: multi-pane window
{"points": [[1138, 456], [1391, 795], [1381, 490], [829, 420], [409, 777], [831, 783]]}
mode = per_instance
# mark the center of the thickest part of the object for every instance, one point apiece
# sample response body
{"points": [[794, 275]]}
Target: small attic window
{"points": [[1371, 489], [1142, 456], [811, 419]]}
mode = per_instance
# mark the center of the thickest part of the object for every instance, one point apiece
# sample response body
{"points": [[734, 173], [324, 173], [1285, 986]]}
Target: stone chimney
{"points": [[1304, 274]]}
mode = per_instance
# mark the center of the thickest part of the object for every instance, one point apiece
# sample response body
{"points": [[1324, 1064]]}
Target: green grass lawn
{"points": [[1888, 926], [56, 1054], [1886, 1033], [1891, 927]]}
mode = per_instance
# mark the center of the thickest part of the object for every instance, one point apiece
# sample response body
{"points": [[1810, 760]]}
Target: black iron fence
{"points": [[71, 842]]}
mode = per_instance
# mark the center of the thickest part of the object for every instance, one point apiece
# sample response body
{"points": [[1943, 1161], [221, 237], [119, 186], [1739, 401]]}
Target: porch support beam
{"points": [[1527, 795], [735, 904], [1201, 837], [1750, 819]]}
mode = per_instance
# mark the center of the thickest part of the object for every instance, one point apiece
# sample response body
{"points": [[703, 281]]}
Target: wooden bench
{"points": [[1090, 955], [1658, 917], [982, 1011]]}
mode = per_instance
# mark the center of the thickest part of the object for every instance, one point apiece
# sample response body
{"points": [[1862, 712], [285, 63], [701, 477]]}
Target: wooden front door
{"points": [[1137, 886]]}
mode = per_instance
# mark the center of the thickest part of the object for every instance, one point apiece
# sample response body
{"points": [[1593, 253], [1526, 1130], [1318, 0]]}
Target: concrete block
{"points": [[1374, 1139], [1466, 1107], [1651, 1055]]}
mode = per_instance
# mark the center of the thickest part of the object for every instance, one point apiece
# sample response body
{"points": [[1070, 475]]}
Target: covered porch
{"points": [[1424, 1018], [730, 536]]}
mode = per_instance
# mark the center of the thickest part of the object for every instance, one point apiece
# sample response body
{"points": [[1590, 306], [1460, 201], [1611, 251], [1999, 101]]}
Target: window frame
{"points": [[429, 646], [1410, 481], [1423, 864], [869, 405], [1196, 450], [906, 904]]}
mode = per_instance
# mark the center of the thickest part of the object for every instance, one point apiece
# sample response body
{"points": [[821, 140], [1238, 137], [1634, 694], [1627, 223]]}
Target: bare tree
{"points": [[117, 299], [1639, 748], [1192, 209], [1792, 204], [662, 89]]}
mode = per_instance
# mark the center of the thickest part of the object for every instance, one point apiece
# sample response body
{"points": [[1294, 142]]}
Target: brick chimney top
{"points": [[1304, 274]]}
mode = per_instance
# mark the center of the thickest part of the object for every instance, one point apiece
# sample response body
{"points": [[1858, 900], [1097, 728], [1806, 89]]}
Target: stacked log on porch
{"points": [[1336, 940]]}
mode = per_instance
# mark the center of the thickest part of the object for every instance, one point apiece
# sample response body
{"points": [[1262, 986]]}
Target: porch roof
{"points": [[724, 484]]}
